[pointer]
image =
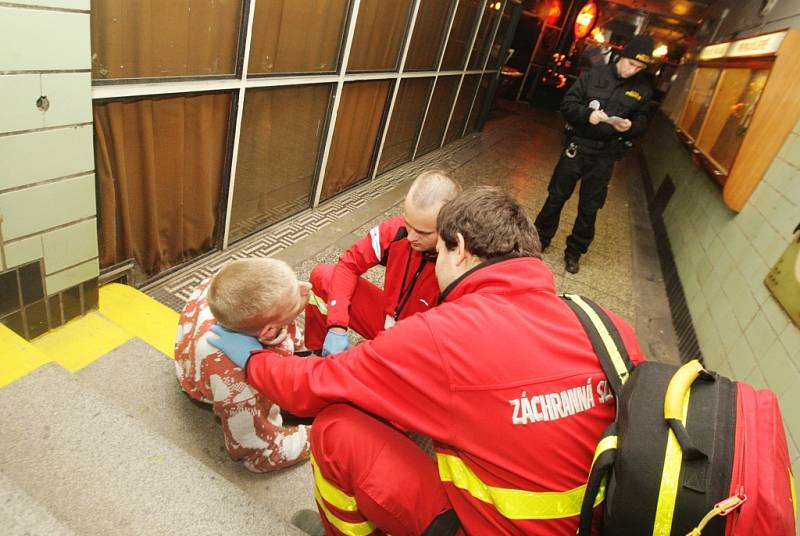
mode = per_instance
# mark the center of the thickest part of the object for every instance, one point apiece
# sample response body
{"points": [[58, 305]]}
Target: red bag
{"points": [[689, 453], [761, 461]]}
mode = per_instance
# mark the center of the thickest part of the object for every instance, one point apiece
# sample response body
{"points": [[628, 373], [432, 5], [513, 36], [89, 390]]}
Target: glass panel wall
{"points": [[699, 99], [279, 147], [152, 38], [276, 130], [495, 61], [731, 113], [478, 104], [463, 102], [438, 113], [379, 33], [455, 54], [429, 30], [409, 107], [360, 112], [296, 37], [483, 40]]}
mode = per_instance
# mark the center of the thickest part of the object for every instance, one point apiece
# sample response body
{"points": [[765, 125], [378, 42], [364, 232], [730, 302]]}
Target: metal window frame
{"points": [[239, 82]]}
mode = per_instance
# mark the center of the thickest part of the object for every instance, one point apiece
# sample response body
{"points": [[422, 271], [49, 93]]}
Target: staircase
{"points": [[117, 448]]}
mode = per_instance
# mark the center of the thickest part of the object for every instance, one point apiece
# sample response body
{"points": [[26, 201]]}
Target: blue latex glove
{"points": [[335, 343], [236, 346]]}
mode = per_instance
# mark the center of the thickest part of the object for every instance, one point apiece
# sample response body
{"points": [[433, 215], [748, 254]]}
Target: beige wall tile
{"points": [[72, 276], [70, 96], [18, 93], [39, 40], [32, 210], [69, 245], [22, 251], [766, 348], [49, 154]]}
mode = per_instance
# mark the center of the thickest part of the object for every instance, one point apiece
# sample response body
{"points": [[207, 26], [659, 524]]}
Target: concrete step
{"points": [[97, 469], [21, 514], [141, 382]]}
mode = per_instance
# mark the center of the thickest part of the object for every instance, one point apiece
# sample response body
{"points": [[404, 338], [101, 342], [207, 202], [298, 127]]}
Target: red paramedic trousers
{"points": [[394, 485]]}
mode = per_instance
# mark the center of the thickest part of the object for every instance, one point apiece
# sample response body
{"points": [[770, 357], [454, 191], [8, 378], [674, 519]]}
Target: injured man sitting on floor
{"points": [[259, 297]]}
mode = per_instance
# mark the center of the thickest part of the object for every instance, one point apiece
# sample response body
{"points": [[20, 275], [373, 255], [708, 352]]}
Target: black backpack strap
{"points": [[604, 456], [605, 339]]}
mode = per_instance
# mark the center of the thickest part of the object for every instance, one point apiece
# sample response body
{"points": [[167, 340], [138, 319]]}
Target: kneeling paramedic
{"points": [[500, 375]]}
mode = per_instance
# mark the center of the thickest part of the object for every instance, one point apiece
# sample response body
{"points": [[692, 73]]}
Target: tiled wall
{"points": [[48, 230], [723, 257]]}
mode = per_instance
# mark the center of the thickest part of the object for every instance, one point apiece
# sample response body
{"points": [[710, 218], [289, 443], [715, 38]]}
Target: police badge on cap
{"points": [[640, 48]]}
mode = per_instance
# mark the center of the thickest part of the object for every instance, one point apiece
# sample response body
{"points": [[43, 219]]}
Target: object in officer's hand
{"points": [[615, 121]]}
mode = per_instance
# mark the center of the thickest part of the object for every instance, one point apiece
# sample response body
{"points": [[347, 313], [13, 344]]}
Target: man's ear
{"points": [[461, 248]]}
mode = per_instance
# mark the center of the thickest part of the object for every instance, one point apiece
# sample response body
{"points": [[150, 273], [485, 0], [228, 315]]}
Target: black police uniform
{"points": [[591, 150]]}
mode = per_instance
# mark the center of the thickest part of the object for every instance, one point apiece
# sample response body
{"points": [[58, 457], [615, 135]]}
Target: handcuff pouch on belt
{"points": [[572, 150]]}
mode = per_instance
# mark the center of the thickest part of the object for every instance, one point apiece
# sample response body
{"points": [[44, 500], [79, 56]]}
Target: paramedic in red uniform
{"points": [[500, 375], [406, 246]]}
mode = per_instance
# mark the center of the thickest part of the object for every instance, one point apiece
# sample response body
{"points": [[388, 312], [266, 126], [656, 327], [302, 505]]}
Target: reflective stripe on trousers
{"points": [[513, 503], [339, 509]]}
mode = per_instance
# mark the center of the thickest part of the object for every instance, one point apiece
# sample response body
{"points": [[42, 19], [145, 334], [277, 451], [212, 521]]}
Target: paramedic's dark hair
{"points": [[492, 223]]}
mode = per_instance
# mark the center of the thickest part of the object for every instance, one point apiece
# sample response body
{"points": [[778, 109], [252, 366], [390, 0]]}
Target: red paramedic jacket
{"points": [[409, 284], [501, 376]]}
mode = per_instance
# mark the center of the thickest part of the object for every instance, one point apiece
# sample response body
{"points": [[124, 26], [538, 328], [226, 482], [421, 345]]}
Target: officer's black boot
{"points": [[571, 264]]}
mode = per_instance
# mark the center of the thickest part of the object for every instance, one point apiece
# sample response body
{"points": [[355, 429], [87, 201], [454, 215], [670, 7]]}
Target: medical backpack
{"points": [[690, 452]]}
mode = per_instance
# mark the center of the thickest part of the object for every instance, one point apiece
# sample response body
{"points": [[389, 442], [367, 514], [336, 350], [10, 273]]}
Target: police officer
{"points": [[605, 108]]}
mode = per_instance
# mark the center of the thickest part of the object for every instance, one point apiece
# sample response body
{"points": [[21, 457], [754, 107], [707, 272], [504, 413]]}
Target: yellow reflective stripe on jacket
{"points": [[345, 527], [608, 342], [317, 302], [513, 503], [668, 491], [794, 492], [331, 493]]}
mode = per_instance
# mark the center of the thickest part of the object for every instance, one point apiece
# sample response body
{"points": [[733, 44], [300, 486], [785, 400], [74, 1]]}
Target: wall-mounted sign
{"points": [[713, 52], [784, 279], [761, 45]]}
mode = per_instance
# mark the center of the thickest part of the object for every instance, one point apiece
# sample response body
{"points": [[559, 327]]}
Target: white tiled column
{"points": [[47, 185]]}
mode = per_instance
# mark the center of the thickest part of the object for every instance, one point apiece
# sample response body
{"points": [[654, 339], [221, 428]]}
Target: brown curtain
{"points": [[456, 52], [423, 51], [379, 31], [278, 148], [358, 120], [459, 119], [404, 124], [159, 166], [438, 112], [291, 36], [156, 38]]}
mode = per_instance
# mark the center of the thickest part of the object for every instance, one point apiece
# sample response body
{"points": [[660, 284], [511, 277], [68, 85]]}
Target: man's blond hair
{"points": [[246, 293], [432, 189]]}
